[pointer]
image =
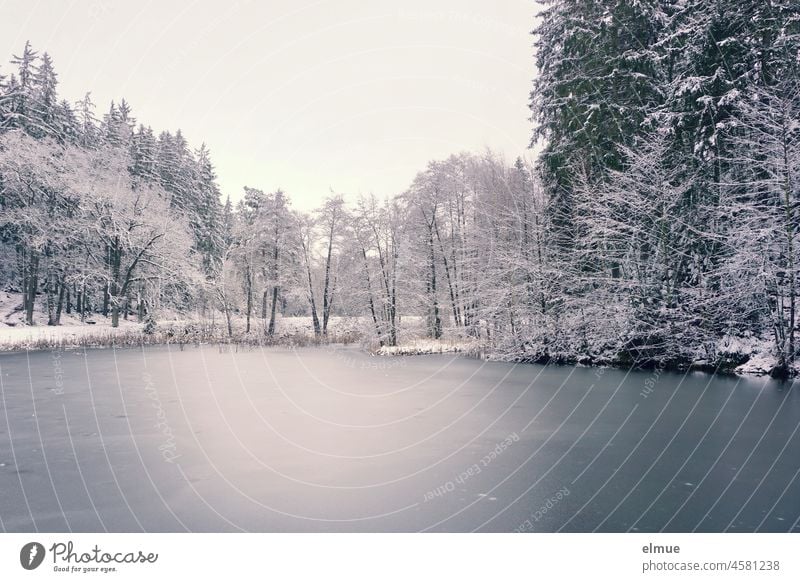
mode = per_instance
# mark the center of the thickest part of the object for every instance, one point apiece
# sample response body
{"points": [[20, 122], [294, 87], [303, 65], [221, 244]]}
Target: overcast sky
{"points": [[354, 95]]}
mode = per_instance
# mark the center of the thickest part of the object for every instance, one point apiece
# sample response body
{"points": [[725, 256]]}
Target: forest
{"points": [[657, 226]]}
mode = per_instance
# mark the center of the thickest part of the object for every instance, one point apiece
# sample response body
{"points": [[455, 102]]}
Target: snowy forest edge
{"points": [[657, 227]]}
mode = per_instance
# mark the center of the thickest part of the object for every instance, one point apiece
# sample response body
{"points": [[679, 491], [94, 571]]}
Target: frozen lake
{"points": [[331, 439]]}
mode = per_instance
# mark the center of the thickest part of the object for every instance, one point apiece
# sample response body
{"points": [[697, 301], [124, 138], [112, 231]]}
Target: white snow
{"points": [[15, 334], [430, 346]]}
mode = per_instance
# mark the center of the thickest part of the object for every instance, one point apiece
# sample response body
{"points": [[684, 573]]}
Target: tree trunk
{"points": [[223, 301], [50, 286], [31, 286], [313, 303], [248, 280], [228, 320], [435, 323], [370, 301], [393, 298], [453, 301], [106, 300], [326, 299], [311, 300], [62, 288], [788, 202], [82, 301], [115, 255], [140, 305], [106, 295], [276, 278], [271, 328]]}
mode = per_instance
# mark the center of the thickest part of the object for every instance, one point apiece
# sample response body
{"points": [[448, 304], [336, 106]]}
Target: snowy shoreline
{"points": [[293, 332], [736, 356], [134, 335]]}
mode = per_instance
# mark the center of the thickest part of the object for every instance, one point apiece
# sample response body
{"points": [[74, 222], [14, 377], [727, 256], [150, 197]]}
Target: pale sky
{"points": [[354, 95]]}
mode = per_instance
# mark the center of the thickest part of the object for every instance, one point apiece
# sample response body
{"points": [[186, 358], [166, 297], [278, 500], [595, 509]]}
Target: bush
{"points": [[149, 325]]}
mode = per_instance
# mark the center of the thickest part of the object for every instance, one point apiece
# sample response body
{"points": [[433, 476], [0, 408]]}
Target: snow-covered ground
{"points": [[11, 337], [431, 346], [97, 330], [756, 354], [15, 334]]}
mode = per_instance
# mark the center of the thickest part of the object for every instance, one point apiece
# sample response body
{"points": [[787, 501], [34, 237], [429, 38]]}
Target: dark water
{"points": [[334, 440]]}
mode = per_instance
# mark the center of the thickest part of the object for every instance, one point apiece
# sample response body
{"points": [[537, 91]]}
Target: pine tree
{"points": [[21, 91], [88, 134], [65, 123], [44, 109], [5, 100], [117, 126], [207, 210], [143, 166], [598, 82]]}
